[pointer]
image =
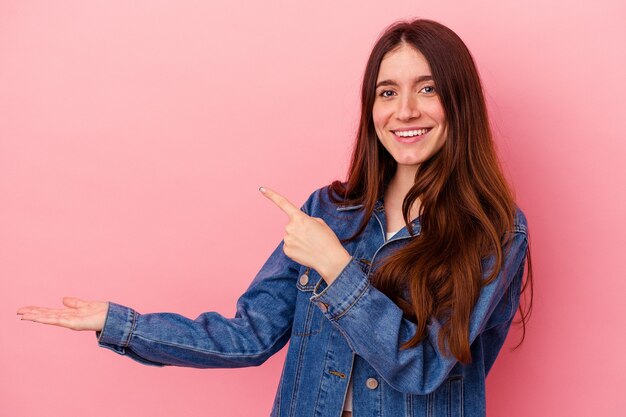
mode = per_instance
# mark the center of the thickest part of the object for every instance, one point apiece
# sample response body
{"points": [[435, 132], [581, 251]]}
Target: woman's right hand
{"points": [[78, 314]]}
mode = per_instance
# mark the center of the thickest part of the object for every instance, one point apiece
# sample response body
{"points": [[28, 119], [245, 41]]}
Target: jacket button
{"points": [[304, 279], [323, 306], [371, 383]]}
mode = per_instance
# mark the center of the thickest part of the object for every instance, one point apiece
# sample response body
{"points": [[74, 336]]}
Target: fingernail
{"points": [[262, 189]]}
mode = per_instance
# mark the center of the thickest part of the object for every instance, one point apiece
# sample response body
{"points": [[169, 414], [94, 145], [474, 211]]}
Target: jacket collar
{"points": [[379, 213], [378, 206]]}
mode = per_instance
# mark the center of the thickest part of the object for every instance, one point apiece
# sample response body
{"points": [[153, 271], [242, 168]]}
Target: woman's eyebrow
{"points": [[419, 79]]}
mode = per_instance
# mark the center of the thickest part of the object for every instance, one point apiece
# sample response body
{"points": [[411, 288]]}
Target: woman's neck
{"points": [[402, 181], [396, 191]]}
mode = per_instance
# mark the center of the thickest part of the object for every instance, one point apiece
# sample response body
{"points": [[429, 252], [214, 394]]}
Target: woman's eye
{"points": [[429, 89], [386, 93]]}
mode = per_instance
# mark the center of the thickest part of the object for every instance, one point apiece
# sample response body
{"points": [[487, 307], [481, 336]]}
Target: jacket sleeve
{"points": [[374, 327], [261, 326]]}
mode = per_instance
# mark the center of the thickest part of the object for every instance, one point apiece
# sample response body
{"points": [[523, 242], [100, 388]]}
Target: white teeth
{"points": [[410, 133]]}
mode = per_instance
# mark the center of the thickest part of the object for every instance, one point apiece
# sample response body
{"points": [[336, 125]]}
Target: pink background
{"points": [[134, 136]]}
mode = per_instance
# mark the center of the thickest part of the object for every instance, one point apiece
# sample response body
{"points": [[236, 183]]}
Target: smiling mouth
{"points": [[410, 136], [411, 133]]}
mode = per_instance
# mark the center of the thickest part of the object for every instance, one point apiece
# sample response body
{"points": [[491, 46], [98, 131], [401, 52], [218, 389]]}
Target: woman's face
{"points": [[408, 115]]}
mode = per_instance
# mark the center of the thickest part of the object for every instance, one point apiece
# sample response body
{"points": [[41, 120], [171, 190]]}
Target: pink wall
{"points": [[134, 135]]}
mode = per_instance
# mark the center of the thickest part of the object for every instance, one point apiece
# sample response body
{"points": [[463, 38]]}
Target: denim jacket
{"points": [[336, 332]]}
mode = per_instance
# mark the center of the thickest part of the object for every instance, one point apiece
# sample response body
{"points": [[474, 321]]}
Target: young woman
{"points": [[396, 288]]}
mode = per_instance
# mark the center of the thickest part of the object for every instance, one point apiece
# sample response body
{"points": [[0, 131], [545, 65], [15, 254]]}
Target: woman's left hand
{"points": [[309, 241], [77, 315]]}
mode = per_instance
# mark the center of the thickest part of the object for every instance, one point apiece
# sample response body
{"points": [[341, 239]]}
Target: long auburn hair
{"points": [[466, 204]]}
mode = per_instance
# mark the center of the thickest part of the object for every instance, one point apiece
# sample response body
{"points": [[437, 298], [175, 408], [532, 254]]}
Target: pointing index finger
{"points": [[282, 203]]}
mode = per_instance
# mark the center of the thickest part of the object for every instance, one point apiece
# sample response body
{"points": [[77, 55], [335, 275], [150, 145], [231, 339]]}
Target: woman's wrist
{"points": [[333, 267]]}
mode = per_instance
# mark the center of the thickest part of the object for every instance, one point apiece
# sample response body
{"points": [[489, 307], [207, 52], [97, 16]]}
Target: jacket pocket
{"points": [[455, 396], [448, 399], [307, 317]]}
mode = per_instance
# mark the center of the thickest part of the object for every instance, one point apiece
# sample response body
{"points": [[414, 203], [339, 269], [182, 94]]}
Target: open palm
{"points": [[77, 315]]}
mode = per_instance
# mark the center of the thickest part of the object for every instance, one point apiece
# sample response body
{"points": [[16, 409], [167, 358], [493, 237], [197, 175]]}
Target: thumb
{"points": [[73, 302]]}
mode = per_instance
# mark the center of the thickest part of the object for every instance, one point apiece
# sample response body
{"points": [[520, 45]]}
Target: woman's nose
{"points": [[408, 108]]}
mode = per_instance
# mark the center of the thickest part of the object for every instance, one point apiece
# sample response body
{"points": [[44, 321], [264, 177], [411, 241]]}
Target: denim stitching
{"points": [[356, 300], [294, 392], [462, 398], [451, 383], [106, 319], [449, 402], [321, 378], [409, 405], [134, 314], [308, 322], [346, 208], [211, 352], [429, 405]]}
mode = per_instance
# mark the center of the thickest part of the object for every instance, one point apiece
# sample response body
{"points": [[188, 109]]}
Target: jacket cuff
{"points": [[118, 326], [337, 298]]}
